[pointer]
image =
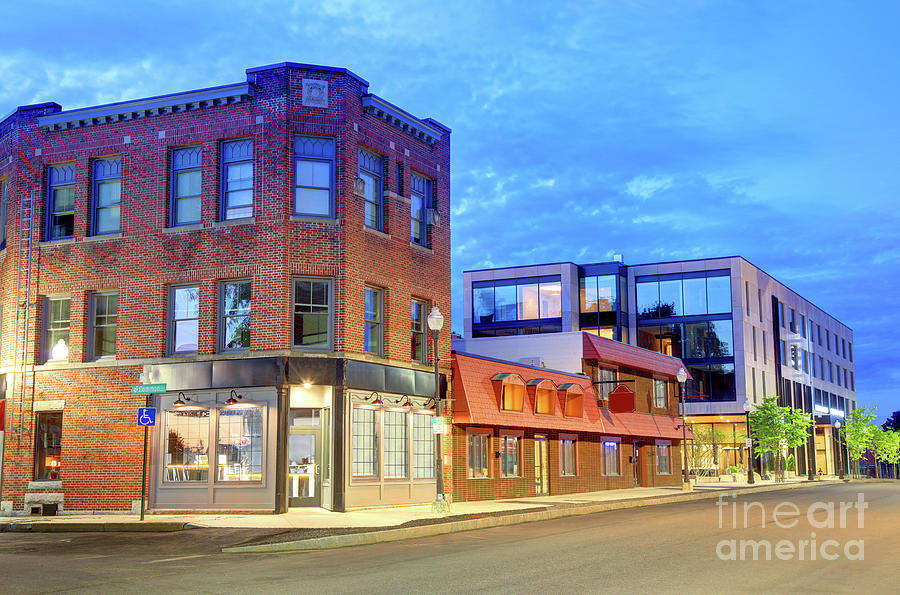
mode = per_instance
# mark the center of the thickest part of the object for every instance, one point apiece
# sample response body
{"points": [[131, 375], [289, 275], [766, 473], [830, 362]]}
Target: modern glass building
{"points": [[742, 334]]}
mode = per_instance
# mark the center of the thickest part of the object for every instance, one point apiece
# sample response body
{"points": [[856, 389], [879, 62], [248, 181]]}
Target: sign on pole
{"points": [[146, 416], [438, 425], [146, 389], [749, 442]]}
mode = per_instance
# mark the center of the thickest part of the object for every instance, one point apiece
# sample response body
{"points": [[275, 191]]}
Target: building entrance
{"points": [[305, 458], [541, 466]]}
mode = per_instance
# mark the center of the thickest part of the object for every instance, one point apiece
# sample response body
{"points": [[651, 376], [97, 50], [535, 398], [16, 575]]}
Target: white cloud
{"points": [[646, 186]]}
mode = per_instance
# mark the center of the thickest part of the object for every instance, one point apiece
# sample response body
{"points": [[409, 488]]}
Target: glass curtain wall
{"points": [[689, 316]]}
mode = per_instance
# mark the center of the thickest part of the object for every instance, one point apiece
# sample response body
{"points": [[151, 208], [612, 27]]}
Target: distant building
{"points": [[269, 251], [741, 333]]}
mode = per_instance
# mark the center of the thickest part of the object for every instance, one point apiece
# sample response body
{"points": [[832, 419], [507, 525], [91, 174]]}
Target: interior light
{"points": [[60, 351], [307, 385]]}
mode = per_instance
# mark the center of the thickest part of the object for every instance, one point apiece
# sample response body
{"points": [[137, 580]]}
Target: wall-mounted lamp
{"points": [[180, 401], [374, 399]]}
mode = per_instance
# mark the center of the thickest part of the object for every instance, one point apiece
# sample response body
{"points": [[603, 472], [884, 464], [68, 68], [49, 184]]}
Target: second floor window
{"points": [[237, 179], [607, 382], [659, 393], [184, 319], [56, 344], [235, 315], [61, 201], [419, 339], [420, 201], [370, 170], [185, 186], [106, 196], [104, 317], [313, 176], [374, 321], [312, 299]]}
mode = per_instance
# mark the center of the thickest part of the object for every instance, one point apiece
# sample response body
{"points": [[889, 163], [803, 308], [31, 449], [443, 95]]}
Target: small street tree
{"points": [[886, 445], [777, 428], [857, 432], [703, 454]]}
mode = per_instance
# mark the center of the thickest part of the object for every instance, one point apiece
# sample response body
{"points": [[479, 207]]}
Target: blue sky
{"points": [[658, 130]]}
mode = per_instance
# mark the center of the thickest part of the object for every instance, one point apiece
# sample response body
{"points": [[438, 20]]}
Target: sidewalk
{"points": [[321, 522]]}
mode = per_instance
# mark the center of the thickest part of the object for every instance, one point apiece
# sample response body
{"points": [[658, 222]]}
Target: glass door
{"points": [[305, 458], [541, 466]]}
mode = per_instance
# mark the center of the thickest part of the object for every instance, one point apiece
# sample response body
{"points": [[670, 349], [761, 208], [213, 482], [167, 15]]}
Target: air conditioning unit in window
{"points": [[359, 187], [432, 217]]}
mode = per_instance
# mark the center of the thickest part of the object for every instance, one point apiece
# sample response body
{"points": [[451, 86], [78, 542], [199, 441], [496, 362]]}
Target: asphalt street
{"points": [[685, 547]]}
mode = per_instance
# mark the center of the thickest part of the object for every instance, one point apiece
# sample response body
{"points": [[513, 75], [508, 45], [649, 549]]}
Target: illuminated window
{"points": [[544, 394], [574, 401], [611, 457], [512, 397]]}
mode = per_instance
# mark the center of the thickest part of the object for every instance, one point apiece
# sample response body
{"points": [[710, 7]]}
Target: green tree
{"points": [[777, 428], [857, 432], [886, 446], [893, 422]]}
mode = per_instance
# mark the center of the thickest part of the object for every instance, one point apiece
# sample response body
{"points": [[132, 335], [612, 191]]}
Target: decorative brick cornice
{"points": [[393, 115], [144, 108]]}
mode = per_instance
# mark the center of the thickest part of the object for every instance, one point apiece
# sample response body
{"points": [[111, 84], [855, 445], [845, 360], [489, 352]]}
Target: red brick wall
{"points": [[589, 477], [101, 444]]}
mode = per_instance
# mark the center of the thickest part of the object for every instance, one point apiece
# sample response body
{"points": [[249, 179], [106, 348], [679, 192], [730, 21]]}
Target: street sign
{"points": [[146, 389], [749, 442], [146, 416], [438, 425]]}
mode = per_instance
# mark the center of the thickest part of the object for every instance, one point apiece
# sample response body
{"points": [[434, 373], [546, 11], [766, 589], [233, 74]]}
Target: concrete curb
{"points": [[387, 535], [93, 527]]}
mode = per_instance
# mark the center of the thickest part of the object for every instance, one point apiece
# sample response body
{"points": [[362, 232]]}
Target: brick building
{"points": [[269, 251], [524, 430]]}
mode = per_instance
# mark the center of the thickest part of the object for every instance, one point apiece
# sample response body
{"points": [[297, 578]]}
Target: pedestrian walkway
{"points": [[319, 518]]}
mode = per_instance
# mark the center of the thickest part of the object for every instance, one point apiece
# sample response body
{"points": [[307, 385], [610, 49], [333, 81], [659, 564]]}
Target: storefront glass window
{"points": [[663, 465], [364, 442], [187, 446], [48, 443], [423, 446], [567, 456], [396, 453], [610, 457], [240, 444], [505, 303], [478, 455], [509, 456]]}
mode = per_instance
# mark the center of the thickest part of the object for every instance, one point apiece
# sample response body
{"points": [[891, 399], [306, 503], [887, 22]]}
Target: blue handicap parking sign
{"points": [[146, 416]]}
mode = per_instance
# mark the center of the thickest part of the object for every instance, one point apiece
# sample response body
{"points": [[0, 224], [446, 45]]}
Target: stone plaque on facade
{"points": [[315, 93]]}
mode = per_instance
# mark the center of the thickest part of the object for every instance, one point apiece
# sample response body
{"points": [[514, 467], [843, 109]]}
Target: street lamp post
{"points": [[681, 376], [837, 424], [440, 504], [750, 478]]}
